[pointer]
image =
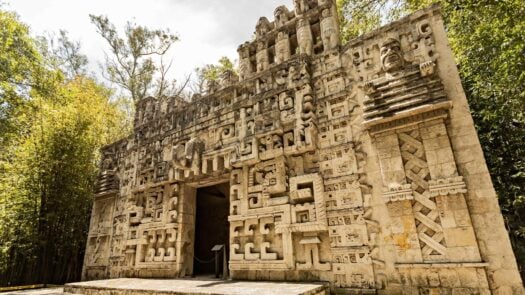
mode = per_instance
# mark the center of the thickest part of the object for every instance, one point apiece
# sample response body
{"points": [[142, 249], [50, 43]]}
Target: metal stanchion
{"points": [[217, 249]]}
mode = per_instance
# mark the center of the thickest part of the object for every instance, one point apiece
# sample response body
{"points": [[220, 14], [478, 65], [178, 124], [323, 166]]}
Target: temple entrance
{"points": [[211, 227]]}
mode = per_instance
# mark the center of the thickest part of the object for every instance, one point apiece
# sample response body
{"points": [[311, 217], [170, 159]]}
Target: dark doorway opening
{"points": [[211, 227]]}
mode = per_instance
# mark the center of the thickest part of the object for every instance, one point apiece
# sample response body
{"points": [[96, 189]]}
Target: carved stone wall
{"points": [[356, 164]]}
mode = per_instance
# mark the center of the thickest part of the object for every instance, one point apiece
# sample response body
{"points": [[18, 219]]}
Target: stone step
{"points": [[195, 287], [36, 291]]}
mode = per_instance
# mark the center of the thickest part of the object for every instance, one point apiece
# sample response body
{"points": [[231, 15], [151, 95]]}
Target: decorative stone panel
{"points": [[357, 164]]}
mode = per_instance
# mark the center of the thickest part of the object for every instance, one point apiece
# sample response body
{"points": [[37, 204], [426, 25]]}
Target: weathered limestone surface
{"points": [[193, 287], [356, 164]]}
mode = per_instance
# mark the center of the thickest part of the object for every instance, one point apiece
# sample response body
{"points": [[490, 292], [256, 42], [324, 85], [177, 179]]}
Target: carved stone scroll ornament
{"points": [[311, 247], [188, 155], [344, 163]]}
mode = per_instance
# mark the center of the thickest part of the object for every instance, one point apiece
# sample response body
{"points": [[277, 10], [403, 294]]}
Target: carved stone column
{"points": [[262, 57], [282, 47], [304, 36], [329, 30]]}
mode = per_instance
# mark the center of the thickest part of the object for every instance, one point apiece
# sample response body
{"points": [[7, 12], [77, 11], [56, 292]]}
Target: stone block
{"points": [[449, 278], [460, 237], [355, 163], [468, 277]]}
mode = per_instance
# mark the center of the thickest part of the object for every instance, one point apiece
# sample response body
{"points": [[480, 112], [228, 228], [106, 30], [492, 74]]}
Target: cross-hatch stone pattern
{"points": [[356, 164]]}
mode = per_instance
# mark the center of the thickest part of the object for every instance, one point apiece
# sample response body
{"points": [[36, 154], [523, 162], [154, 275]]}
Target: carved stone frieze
{"points": [[356, 164]]}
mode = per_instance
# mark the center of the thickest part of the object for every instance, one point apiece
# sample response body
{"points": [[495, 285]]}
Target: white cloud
{"points": [[208, 29]]}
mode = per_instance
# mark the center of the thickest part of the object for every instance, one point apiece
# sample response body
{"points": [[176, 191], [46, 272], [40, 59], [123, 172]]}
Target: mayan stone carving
{"points": [[357, 164]]}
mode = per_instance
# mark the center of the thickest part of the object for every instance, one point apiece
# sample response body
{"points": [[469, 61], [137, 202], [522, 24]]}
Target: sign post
{"points": [[217, 249]]}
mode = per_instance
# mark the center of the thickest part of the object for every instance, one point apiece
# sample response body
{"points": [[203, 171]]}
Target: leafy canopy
{"points": [[133, 60], [54, 119]]}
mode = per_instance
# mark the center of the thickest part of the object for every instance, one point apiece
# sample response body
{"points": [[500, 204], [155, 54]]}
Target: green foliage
{"points": [[47, 189], [48, 162], [54, 119], [211, 73], [360, 16], [64, 54], [19, 62], [488, 40], [131, 64]]}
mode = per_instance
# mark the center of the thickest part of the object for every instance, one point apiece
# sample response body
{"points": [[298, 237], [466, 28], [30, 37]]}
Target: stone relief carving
{"points": [[345, 164], [301, 6], [428, 222], [262, 57], [263, 26], [329, 30], [281, 16], [189, 154], [282, 47]]}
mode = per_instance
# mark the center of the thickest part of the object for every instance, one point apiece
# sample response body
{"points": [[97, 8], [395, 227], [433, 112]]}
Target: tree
{"points": [[488, 41], [20, 63], [360, 16], [64, 54], [136, 61], [53, 174], [48, 165], [211, 73]]}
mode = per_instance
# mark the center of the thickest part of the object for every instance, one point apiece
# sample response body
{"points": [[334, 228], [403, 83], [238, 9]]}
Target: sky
{"points": [[208, 29]]}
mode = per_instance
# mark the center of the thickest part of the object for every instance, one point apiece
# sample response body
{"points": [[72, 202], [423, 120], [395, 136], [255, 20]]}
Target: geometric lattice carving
{"points": [[430, 232], [309, 135]]}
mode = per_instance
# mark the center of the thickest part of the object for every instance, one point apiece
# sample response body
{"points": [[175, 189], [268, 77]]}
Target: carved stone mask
{"points": [[281, 16], [297, 4], [262, 27], [107, 164], [243, 51], [224, 77], [325, 13], [260, 46], [301, 22], [391, 55]]}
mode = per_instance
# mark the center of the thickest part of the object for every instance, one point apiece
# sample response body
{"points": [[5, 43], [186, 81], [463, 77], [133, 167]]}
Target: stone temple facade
{"points": [[356, 164]]}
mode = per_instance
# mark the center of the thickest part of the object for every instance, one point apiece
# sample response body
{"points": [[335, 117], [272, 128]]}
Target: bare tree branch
{"points": [[130, 63]]}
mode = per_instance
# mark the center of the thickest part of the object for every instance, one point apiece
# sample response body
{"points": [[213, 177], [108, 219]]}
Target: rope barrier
{"points": [[203, 261]]}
